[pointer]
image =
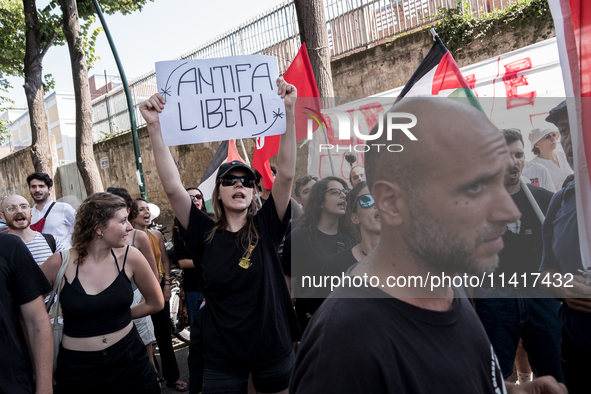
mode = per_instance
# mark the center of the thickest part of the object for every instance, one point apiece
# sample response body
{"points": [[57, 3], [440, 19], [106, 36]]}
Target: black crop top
{"points": [[103, 313]]}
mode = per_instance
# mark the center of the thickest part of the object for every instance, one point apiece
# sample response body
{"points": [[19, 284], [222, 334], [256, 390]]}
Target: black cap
{"points": [[226, 167], [556, 113]]}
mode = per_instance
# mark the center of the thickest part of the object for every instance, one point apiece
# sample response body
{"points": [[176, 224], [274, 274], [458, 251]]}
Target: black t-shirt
{"points": [[385, 345], [339, 263], [248, 313], [523, 239], [309, 252], [21, 281], [190, 278]]}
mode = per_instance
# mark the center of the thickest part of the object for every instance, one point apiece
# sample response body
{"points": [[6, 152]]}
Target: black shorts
{"points": [[123, 367], [272, 378]]}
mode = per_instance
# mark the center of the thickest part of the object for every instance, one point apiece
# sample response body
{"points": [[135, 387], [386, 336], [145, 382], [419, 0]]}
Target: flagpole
{"points": [[330, 155], [256, 189], [532, 201]]}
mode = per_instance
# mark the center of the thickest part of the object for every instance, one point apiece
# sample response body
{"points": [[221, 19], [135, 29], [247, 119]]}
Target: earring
{"points": [[100, 236]]}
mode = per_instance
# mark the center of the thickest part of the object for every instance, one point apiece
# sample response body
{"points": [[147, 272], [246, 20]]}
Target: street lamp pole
{"points": [[136, 145]]}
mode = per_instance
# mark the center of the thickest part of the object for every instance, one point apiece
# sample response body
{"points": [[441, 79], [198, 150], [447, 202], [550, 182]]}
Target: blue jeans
{"points": [[272, 378], [194, 299], [510, 316]]}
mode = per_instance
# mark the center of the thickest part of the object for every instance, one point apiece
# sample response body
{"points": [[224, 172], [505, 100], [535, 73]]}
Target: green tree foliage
{"points": [[12, 37]]}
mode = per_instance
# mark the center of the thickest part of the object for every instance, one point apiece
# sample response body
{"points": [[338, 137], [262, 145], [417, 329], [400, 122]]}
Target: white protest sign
{"points": [[219, 99]]}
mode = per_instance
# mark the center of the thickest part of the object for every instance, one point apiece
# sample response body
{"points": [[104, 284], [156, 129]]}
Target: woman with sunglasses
{"points": [[364, 215], [321, 232], [245, 323], [543, 143]]}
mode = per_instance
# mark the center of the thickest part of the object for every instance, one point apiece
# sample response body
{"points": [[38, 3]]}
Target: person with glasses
{"points": [[364, 215], [17, 213], [543, 143], [321, 232], [247, 326]]}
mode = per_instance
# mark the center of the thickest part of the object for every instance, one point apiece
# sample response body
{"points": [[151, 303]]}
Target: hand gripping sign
{"points": [[219, 99]]}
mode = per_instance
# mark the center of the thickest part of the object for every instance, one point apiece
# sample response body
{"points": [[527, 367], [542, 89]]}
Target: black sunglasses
{"points": [[550, 135], [198, 197], [231, 181]]}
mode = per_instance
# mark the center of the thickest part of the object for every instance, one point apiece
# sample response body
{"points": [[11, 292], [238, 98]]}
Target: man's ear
{"points": [[49, 189], [391, 201], [299, 200], [2, 215]]}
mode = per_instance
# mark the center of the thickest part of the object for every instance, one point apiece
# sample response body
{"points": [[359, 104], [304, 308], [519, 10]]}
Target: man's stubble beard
{"points": [[437, 248]]}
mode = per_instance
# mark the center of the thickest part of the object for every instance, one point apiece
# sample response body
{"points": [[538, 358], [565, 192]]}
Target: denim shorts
{"points": [[269, 379], [123, 367]]}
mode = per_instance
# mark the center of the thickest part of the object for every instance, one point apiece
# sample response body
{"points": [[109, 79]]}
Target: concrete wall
{"points": [[14, 170], [390, 65]]}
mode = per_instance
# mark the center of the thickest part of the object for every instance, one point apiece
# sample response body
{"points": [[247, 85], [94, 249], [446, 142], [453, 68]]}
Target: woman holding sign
{"points": [[246, 320]]}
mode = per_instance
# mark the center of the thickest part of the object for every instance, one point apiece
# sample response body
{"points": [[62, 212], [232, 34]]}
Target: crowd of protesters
{"points": [[255, 326]]}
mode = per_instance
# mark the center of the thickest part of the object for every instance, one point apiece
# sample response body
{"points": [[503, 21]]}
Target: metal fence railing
{"points": [[352, 25]]}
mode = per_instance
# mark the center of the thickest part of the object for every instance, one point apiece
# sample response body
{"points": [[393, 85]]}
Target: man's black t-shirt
{"points": [[523, 239], [21, 281], [384, 345], [248, 313]]}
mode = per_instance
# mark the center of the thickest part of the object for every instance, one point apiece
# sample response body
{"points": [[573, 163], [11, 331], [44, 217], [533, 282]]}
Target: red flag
{"points": [[300, 75], [572, 19]]}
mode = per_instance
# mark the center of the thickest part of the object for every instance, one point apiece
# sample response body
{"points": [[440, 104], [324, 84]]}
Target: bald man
{"points": [[443, 209], [17, 213]]}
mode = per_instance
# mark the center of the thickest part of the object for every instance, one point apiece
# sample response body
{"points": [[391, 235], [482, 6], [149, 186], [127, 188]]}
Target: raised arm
{"points": [[286, 159], [146, 283], [167, 171]]}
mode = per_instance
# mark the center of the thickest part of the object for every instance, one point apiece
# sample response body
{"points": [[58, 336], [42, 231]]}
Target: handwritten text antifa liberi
{"points": [[246, 86]]}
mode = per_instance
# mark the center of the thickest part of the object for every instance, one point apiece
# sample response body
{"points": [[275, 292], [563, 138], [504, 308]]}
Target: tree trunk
{"points": [[313, 32], [35, 92], [84, 144]]}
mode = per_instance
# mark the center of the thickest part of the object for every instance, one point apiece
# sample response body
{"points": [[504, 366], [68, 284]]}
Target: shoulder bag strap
{"points": [[50, 241], [49, 210], [65, 254]]}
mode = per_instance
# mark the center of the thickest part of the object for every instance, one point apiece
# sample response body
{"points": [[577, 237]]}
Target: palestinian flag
{"points": [[439, 75], [226, 152]]}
